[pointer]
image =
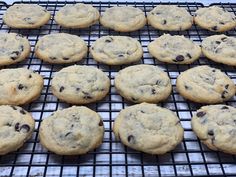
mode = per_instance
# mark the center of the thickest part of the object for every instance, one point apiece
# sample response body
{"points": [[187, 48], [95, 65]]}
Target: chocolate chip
{"points": [[15, 55], [22, 111], [77, 89], [66, 58], [19, 35], [222, 23], [213, 70], [225, 107], [153, 91], [164, 22], [214, 28], [87, 95], [8, 124], [30, 76], [188, 55], [100, 123], [201, 114], [218, 42], [224, 39], [22, 48], [61, 89], [131, 139], [179, 58], [158, 82], [67, 134], [121, 55], [20, 86], [142, 111], [211, 132], [226, 86], [13, 107], [223, 94], [108, 40], [17, 127], [52, 58], [25, 128], [187, 87], [134, 99], [158, 13]]}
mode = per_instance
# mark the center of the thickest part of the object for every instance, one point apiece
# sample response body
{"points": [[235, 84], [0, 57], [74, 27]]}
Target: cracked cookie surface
{"points": [[215, 125], [204, 84], [16, 127], [170, 18], [148, 128], [72, 131], [61, 48], [116, 50], [80, 84]]}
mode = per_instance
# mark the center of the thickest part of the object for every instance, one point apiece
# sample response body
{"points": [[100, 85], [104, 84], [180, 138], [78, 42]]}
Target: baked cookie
{"points": [[204, 84], [19, 86], [61, 48], [148, 128], [143, 83], [16, 127], [26, 16], [170, 18], [123, 19], [116, 50], [215, 19], [174, 49], [77, 15], [13, 48], [72, 131], [220, 48], [80, 84], [215, 127]]}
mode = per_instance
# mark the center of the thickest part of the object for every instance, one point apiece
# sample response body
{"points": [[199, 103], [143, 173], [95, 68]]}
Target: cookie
{"points": [[204, 84], [16, 127], [148, 128], [215, 127], [174, 49], [19, 86], [143, 83], [170, 18], [77, 15], [220, 48], [60, 48], [123, 18], [80, 84], [215, 19], [116, 50], [26, 16], [72, 131], [13, 48]]}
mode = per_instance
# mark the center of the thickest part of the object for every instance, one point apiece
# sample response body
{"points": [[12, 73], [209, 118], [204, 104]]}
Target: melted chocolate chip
{"points": [[20, 86], [77, 89], [15, 55], [22, 48], [211, 132], [17, 127], [108, 40], [223, 94], [30, 76], [201, 114], [142, 111], [214, 28], [87, 95], [222, 23], [67, 134], [186, 87], [134, 99], [224, 39], [8, 124], [226, 86], [164, 22], [22, 111], [100, 123], [188, 55], [52, 58], [158, 82], [213, 70], [61, 89], [13, 107], [65, 58], [25, 128], [179, 58], [153, 91], [121, 55], [131, 139], [225, 107], [218, 42]]}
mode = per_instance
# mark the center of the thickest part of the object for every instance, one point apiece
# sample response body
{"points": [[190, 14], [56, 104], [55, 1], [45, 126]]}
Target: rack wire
{"points": [[190, 158]]}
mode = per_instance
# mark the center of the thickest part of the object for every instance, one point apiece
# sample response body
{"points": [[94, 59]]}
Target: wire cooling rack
{"points": [[190, 158]]}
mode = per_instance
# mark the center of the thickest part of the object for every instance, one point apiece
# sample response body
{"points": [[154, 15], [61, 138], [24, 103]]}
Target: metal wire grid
{"points": [[190, 158]]}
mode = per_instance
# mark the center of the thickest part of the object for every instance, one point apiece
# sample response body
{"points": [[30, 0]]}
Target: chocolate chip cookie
{"points": [[16, 127], [148, 128], [13, 48], [80, 84], [116, 50], [72, 131], [123, 18], [26, 16], [143, 83], [170, 18], [215, 19], [174, 49], [77, 15], [215, 126], [204, 84], [19, 86], [220, 48]]}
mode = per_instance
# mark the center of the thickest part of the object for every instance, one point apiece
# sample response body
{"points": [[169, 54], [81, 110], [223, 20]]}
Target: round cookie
{"points": [[174, 49], [123, 19], [215, 127], [203, 84], [16, 127], [215, 19], [148, 128], [13, 48], [19, 86], [80, 84], [77, 15], [61, 48], [72, 131], [26, 16], [143, 83], [220, 48], [116, 50], [170, 18]]}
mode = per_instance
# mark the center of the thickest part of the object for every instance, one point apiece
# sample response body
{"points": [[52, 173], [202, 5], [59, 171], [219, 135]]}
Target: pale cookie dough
{"points": [[215, 125], [123, 18], [148, 128], [16, 127], [204, 84], [26, 16], [220, 48], [215, 19], [170, 18], [116, 50], [13, 48], [77, 15], [61, 48], [174, 49], [19, 86], [80, 84], [143, 83]]}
